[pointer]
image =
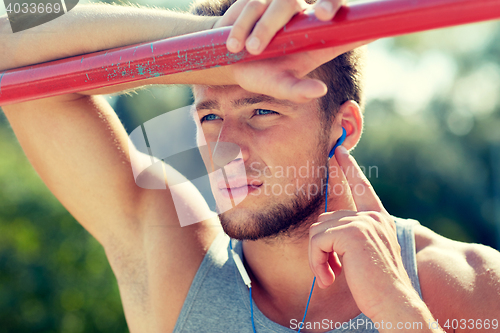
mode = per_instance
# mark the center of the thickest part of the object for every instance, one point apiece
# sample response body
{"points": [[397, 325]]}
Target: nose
{"points": [[224, 153], [231, 140]]}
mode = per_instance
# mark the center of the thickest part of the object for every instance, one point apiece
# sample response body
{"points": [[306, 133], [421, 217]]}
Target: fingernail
{"points": [[342, 150], [253, 44], [310, 96], [327, 6], [232, 43], [321, 284], [310, 93]]}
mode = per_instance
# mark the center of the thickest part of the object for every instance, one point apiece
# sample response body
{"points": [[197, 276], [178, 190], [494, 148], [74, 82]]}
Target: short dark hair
{"points": [[342, 75]]}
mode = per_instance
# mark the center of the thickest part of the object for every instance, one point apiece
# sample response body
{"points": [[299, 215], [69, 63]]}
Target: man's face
{"points": [[284, 154]]}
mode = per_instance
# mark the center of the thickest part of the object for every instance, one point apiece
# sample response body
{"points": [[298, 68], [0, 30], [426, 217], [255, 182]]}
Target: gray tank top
{"points": [[218, 300]]}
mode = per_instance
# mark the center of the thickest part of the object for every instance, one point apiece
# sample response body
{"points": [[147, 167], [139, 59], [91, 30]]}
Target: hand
{"points": [[363, 245], [283, 77], [255, 22]]}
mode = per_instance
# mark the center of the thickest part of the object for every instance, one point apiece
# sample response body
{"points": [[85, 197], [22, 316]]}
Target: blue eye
{"points": [[209, 117], [263, 112]]}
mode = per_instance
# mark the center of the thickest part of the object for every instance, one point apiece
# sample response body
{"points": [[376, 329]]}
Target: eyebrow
{"points": [[260, 99], [207, 105], [214, 104]]}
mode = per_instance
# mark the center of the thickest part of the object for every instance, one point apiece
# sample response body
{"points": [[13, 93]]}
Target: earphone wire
{"points": [[326, 210], [301, 324], [330, 155]]}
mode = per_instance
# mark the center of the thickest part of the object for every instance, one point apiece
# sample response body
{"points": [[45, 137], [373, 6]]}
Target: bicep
{"points": [[485, 262], [459, 281]]}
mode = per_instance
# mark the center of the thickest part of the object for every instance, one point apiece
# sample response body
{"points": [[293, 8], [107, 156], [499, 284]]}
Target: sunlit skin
{"points": [[273, 135], [280, 133]]}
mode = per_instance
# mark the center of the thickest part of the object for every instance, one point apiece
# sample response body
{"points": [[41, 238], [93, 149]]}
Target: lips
{"points": [[238, 193], [238, 182]]}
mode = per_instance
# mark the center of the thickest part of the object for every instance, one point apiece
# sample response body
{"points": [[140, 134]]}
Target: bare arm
{"points": [[76, 142], [460, 282], [88, 126], [90, 28]]}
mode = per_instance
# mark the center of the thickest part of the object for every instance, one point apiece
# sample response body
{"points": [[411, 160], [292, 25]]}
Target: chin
{"points": [[277, 220]]}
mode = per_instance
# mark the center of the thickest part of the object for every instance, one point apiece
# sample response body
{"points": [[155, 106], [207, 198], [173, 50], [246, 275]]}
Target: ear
{"points": [[350, 118]]}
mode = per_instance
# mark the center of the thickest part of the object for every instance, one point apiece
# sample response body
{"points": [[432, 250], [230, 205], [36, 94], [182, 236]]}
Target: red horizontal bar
{"points": [[205, 49]]}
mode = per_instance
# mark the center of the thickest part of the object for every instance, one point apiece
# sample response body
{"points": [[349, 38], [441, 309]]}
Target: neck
{"points": [[281, 281]]}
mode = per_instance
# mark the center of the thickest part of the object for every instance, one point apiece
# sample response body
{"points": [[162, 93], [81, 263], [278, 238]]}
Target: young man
{"points": [[364, 262]]}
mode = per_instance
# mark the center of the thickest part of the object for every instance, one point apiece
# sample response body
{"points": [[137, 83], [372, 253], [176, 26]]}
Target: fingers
{"points": [[251, 13], [255, 22], [281, 84], [232, 14], [329, 217], [324, 263], [323, 260], [302, 90], [297, 90], [327, 272], [325, 10], [363, 194], [276, 16], [259, 21]]}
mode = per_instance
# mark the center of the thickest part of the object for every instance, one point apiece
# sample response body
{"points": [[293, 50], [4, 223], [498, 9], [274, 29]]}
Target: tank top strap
{"points": [[406, 239]]}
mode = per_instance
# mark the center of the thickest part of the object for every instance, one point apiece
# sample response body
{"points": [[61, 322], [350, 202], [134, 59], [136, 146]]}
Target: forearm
{"points": [[90, 28], [212, 76], [87, 29], [405, 310]]}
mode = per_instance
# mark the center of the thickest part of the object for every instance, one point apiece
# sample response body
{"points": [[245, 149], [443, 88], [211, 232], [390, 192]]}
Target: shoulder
{"points": [[157, 261], [458, 280]]}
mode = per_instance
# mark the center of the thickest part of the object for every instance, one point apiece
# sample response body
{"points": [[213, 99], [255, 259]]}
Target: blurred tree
{"points": [[431, 119]]}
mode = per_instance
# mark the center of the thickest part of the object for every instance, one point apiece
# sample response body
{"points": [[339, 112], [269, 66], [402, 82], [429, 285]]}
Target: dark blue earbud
{"points": [[338, 143]]}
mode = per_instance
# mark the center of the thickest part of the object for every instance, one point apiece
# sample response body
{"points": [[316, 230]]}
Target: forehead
{"points": [[201, 92], [216, 97]]}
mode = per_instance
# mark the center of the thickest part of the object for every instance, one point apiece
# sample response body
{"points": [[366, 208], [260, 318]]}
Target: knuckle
{"points": [[336, 3], [293, 4], [256, 6], [314, 240], [364, 181], [397, 248], [392, 225], [325, 216], [358, 230], [314, 226], [238, 30], [339, 215], [377, 216], [263, 30]]}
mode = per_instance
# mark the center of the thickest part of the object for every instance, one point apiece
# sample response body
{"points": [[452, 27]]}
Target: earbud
{"points": [[338, 143]]}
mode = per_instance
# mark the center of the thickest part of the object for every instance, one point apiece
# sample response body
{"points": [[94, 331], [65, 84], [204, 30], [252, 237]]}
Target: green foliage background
{"points": [[54, 276]]}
